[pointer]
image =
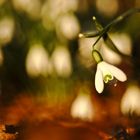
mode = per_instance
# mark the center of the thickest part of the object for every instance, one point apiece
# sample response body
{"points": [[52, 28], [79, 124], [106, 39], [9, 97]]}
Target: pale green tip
{"points": [[97, 56], [81, 35], [108, 78], [94, 18]]}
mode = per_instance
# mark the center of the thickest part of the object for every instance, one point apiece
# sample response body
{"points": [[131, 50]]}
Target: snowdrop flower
{"points": [[130, 102], [61, 61], [37, 61], [68, 26], [7, 26], [82, 107], [106, 72]]}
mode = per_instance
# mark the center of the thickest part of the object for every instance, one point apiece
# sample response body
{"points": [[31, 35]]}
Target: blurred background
{"points": [[47, 73]]}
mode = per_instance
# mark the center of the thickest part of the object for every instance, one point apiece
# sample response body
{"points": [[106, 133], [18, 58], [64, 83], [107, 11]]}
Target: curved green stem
{"points": [[115, 21], [122, 17], [102, 32], [90, 34], [112, 46]]}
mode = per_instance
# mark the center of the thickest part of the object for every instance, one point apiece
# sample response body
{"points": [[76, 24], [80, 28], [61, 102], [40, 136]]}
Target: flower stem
{"points": [[115, 21]]}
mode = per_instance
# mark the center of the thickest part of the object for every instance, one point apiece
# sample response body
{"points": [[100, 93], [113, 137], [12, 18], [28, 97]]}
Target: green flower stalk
{"points": [[102, 31]]}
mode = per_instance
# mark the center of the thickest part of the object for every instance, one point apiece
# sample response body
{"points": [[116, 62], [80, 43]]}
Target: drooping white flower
{"points": [[82, 108], [61, 61], [105, 73], [7, 26], [130, 102], [123, 45], [37, 61]]}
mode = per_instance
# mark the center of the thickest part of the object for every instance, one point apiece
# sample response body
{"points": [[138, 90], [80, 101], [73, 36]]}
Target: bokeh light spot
{"points": [[61, 61], [107, 7], [130, 103], [37, 61], [68, 26], [31, 7], [7, 25], [82, 107]]}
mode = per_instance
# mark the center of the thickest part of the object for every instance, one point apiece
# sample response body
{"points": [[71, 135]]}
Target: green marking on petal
{"points": [[108, 78]]}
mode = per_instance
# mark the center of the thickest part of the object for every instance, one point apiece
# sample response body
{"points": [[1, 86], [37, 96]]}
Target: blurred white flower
{"points": [[106, 72], [68, 26], [130, 103], [107, 7], [31, 7], [82, 107], [37, 61], [123, 44], [6, 30], [53, 9], [61, 61], [109, 55], [85, 49]]}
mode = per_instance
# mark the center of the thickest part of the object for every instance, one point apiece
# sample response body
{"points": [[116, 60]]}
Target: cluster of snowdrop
{"points": [[83, 107], [38, 61]]}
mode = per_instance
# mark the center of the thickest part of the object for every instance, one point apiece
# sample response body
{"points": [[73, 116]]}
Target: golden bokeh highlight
{"points": [[7, 26], [31, 7], [109, 55], [61, 61], [52, 10], [122, 42], [82, 107], [107, 7], [68, 26], [37, 61], [130, 103]]}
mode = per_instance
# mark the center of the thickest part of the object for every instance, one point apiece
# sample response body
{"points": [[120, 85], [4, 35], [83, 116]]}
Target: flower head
{"points": [[82, 107], [105, 73], [130, 102]]}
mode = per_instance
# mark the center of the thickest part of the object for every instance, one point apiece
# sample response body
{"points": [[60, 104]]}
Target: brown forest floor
{"points": [[26, 119]]}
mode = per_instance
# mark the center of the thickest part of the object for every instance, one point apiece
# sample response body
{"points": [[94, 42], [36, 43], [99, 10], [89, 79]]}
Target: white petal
{"points": [[103, 66], [116, 72], [99, 85]]}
